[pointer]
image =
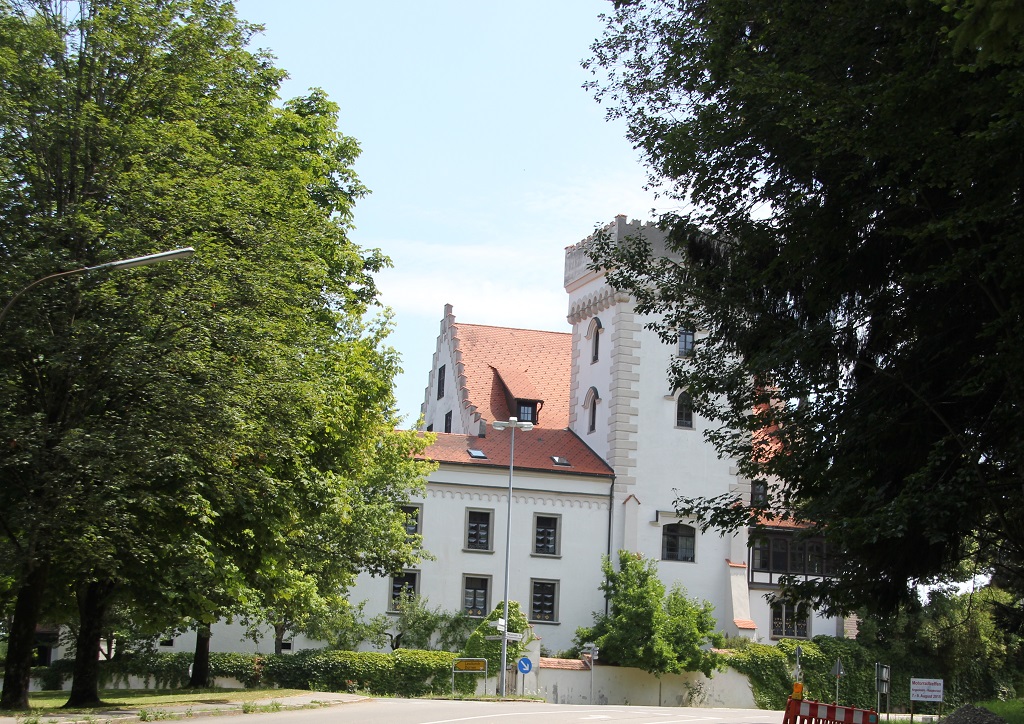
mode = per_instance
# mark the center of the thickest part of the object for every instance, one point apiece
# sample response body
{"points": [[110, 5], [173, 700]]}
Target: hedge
{"points": [[405, 672]]}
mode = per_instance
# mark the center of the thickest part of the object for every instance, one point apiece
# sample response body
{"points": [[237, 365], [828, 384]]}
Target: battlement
{"points": [[577, 258]]}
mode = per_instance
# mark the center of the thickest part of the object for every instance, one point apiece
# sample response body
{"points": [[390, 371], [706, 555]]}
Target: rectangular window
{"points": [[758, 492], [790, 620], [780, 555], [678, 542], [478, 530], [759, 554], [448, 421], [406, 584], [684, 411], [685, 343], [797, 552], [527, 412], [815, 558], [544, 601], [474, 595], [412, 518], [545, 535], [440, 382]]}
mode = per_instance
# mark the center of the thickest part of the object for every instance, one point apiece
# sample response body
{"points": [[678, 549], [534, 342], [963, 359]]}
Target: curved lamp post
{"points": [[513, 424], [122, 264]]}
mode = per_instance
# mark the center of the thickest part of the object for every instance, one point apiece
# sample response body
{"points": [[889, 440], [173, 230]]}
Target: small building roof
{"points": [[545, 662], [535, 450]]}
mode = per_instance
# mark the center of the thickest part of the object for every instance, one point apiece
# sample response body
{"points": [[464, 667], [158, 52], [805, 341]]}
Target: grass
{"points": [[1012, 711], [146, 699]]}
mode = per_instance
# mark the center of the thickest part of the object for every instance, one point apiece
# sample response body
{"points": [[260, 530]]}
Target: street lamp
{"points": [[513, 424], [121, 264]]}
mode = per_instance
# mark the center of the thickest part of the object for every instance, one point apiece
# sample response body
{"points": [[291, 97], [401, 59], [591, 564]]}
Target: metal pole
{"points": [[508, 542]]}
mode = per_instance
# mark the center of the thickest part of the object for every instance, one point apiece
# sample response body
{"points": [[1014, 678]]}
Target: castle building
{"points": [[612, 447]]}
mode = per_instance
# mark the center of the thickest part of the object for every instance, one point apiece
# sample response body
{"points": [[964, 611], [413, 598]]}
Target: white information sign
{"points": [[926, 689]]}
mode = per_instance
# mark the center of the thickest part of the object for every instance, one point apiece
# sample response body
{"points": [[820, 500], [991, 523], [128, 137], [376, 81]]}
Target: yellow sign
{"points": [[470, 665]]}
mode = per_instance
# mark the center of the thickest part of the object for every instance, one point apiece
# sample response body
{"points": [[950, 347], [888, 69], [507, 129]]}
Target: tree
{"points": [[418, 626], [849, 246], [173, 436], [647, 629]]}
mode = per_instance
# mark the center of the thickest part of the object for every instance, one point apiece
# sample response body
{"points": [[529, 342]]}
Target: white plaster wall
{"points": [[582, 504], [434, 409], [614, 685], [231, 638]]}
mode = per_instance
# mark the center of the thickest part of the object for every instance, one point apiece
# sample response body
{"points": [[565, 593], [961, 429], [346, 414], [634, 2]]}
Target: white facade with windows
{"points": [[605, 384]]}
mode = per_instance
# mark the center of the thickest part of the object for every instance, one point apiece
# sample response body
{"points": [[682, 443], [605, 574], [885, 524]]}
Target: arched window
{"points": [[590, 404], [678, 542], [684, 410], [594, 335]]}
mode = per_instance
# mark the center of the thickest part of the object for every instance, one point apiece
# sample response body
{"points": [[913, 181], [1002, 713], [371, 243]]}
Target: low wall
{"points": [[625, 686], [135, 682]]}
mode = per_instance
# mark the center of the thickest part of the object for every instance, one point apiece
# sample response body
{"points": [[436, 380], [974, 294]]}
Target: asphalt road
{"points": [[423, 711]]}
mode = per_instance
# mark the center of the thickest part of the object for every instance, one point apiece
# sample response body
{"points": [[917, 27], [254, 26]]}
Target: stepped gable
{"points": [[531, 364], [534, 451]]}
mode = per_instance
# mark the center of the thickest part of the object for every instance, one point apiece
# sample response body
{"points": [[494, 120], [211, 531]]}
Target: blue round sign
{"points": [[524, 665]]}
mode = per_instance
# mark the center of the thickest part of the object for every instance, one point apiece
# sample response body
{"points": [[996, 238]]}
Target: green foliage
{"points": [[834, 169], [478, 647], [646, 628], [401, 673], [769, 673], [418, 626], [195, 438]]}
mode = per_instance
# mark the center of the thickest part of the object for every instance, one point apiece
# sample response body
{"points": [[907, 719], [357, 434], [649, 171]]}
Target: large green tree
{"points": [[172, 436], [848, 244]]}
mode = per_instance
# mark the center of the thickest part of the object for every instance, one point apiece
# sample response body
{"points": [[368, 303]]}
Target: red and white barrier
{"points": [[800, 711]]}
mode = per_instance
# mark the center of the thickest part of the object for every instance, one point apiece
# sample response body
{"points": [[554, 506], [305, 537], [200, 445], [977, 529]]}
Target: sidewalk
{"points": [[182, 711]]}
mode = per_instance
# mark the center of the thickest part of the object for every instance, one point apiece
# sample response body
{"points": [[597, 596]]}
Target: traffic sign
{"points": [[524, 665], [513, 636], [838, 669]]}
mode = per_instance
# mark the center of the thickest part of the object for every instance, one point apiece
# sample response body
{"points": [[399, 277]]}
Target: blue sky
{"points": [[484, 155]]}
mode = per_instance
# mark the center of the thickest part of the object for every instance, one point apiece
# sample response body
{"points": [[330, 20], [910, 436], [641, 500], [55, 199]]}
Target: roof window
{"points": [[559, 460], [477, 454]]}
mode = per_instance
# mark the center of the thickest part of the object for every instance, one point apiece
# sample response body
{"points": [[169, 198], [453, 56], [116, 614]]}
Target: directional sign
{"points": [[513, 636], [499, 624], [470, 664], [524, 665]]}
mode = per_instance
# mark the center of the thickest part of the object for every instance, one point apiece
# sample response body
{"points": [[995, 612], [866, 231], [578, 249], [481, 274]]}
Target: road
{"points": [[426, 711]]}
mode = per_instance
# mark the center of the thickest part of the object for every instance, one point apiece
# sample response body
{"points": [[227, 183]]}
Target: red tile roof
{"points": [[534, 365], [569, 664], [789, 523], [533, 451], [744, 623]]}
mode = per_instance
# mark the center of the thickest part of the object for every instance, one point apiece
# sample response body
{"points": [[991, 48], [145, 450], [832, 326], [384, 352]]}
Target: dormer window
{"points": [[527, 411]]}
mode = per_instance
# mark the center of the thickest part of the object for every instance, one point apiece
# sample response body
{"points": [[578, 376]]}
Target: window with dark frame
{"points": [[544, 601], [474, 595], [678, 542], [527, 412], [448, 421], [440, 382], [758, 492], [478, 530], [686, 343], [412, 519], [790, 620], [545, 535], [406, 584], [684, 410], [786, 554]]}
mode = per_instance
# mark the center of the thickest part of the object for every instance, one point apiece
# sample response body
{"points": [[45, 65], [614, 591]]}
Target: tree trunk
{"points": [[21, 640], [201, 661], [93, 599], [279, 631]]}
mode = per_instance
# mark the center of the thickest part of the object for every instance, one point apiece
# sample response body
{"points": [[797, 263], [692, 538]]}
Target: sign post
{"points": [[838, 671], [469, 666], [591, 648], [925, 690], [881, 686]]}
